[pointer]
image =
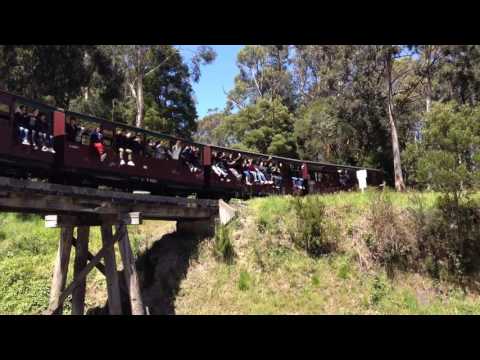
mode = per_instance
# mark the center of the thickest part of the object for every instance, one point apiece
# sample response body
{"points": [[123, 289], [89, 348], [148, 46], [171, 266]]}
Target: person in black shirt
{"points": [[21, 123], [33, 127], [138, 147], [71, 130], [45, 133], [233, 165]]}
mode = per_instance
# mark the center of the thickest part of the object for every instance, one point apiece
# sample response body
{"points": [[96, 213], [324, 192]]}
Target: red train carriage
{"points": [[16, 158], [79, 159]]}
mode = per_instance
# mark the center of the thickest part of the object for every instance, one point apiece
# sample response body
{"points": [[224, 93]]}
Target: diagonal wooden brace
{"points": [[83, 274]]}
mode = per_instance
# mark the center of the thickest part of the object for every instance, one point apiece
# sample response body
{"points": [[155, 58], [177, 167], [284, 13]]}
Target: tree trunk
{"points": [[397, 165], [140, 103], [428, 97]]}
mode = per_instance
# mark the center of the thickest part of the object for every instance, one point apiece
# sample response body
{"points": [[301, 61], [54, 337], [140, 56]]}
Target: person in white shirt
{"points": [[362, 179], [176, 150]]}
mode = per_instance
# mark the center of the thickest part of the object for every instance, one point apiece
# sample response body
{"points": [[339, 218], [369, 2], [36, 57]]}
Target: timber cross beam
{"points": [[59, 293]]}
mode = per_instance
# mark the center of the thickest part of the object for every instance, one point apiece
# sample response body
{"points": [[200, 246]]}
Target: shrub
{"points": [[313, 232], [389, 241], [223, 247], [244, 281], [379, 289], [448, 237]]}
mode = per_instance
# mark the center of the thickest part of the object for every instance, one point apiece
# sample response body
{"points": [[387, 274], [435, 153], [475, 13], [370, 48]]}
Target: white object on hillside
{"points": [[362, 179], [226, 212]]}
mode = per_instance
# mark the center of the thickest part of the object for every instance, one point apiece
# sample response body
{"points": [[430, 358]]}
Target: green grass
{"points": [[27, 256], [271, 277]]}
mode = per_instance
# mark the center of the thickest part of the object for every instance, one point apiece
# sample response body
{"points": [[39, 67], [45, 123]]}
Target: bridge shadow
{"points": [[161, 269]]}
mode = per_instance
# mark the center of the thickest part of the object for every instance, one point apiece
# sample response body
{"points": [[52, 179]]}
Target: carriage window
{"points": [[4, 110]]}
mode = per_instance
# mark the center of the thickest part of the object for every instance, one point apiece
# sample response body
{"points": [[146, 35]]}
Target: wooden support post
{"points": [[81, 255], [114, 303], [61, 269], [83, 274], [131, 276]]}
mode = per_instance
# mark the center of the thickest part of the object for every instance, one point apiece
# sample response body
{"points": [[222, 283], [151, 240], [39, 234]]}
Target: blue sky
{"points": [[208, 91]]}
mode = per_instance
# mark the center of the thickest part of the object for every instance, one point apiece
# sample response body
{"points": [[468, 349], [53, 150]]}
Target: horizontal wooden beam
{"points": [[53, 221], [45, 198], [8, 185]]}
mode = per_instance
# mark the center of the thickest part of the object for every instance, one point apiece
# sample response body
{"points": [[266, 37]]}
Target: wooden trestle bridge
{"points": [[70, 207]]}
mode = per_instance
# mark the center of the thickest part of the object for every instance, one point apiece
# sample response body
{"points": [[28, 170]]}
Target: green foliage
{"points": [[170, 106], [244, 281], [266, 127], [262, 75], [56, 71], [448, 238], [208, 129], [451, 148], [379, 289], [321, 135], [223, 248], [314, 232], [270, 213], [448, 162]]}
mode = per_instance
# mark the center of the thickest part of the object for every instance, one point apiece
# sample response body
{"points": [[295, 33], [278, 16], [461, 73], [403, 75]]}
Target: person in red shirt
{"points": [[96, 140]]}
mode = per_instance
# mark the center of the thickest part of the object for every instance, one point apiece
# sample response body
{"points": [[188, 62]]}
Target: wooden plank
{"points": [[83, 274], [131, 276], [23, 186], [61, 269], [48, 204], [81, 255], [113, 290], [53, 221]]}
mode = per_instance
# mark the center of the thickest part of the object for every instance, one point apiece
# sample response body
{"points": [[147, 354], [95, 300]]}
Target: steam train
{"points": [[76, 163]]}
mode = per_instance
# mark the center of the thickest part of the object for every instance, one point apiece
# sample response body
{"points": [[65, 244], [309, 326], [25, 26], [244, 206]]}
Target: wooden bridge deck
{"points": [[46, 198]]}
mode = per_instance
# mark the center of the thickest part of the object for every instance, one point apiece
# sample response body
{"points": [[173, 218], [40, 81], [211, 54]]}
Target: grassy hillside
{"points": [[264, 262], [270, 275]]}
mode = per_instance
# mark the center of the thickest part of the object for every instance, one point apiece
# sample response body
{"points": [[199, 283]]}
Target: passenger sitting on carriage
{"points": [[32, 126], [96, 140], [251, 171], [263, 172], [122, 147], [176, 150], [222, 164], [188, 157], [45, 133], [161, 151], [73, 131], [217, 166], [235, 166], [138, 146], [150, 149], [21, 122], [276, 175], [298, 182], [260, 176]]}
